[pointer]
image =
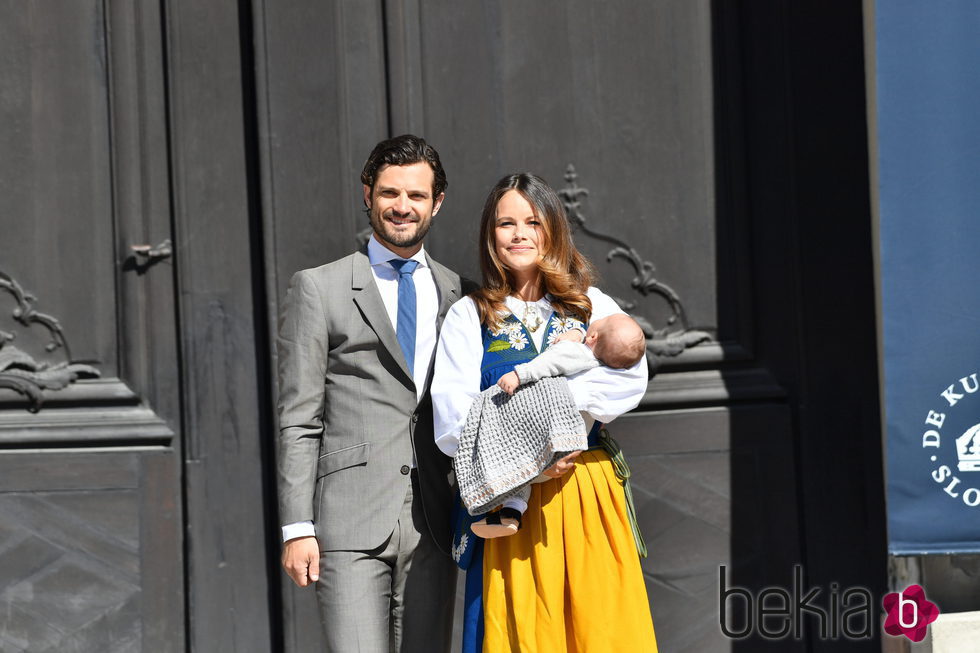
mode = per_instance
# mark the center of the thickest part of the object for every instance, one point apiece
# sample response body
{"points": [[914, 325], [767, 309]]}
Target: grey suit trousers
{"points": [[398, 597]]}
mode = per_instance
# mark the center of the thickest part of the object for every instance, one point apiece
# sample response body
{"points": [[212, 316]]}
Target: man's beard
{"points": [[387, 233]]}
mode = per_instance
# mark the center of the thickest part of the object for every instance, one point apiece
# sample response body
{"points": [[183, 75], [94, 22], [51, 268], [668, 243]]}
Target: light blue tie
{"points": [[405, 325]]}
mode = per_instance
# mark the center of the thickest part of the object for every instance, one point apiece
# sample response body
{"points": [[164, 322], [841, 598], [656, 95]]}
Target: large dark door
{"points": [[167, 166], [90, 502], [698, 132], [616, 107]]}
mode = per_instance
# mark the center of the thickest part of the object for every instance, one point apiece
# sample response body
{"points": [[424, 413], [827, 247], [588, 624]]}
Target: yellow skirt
{"points": [[570, 579]]}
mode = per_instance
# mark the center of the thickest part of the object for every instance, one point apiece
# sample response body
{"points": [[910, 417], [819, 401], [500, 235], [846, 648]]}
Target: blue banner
{"points": [[927, 55]]}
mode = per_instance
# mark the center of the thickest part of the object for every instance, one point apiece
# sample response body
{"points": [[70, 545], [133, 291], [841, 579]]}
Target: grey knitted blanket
{"points": [[509, 440]]}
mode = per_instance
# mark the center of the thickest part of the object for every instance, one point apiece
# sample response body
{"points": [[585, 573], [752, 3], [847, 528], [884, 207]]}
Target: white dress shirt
{"points": [[426, 302], [426, 316], [602, 392]]}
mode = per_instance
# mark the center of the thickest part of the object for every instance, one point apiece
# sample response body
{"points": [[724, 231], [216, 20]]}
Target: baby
{"points": [[615, 341]]}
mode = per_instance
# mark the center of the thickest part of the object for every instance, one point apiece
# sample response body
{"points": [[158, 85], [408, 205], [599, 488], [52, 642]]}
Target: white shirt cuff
{"points": [[448, 444], [299, 529]]}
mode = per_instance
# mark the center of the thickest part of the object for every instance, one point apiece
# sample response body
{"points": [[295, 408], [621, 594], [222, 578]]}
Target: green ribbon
{"points": [[623, 473]]}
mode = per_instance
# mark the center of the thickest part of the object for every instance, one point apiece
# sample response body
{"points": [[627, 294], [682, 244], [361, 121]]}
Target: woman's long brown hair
{"points": [[565, 273]]}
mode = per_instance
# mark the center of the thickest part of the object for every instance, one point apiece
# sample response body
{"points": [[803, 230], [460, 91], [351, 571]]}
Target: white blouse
{"points": [[602, 392]]}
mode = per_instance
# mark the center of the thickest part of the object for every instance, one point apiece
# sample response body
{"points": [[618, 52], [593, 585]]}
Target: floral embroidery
{"points": [[460, 548], [508, 327], [517, 340], [560, 325]]}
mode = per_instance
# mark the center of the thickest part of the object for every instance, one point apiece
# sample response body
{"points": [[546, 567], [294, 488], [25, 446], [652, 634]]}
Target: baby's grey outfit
{"points": [[560, 359], [507, 441]]}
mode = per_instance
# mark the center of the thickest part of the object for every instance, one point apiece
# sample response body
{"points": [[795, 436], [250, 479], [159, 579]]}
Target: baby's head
{"points": [[617, 341]]}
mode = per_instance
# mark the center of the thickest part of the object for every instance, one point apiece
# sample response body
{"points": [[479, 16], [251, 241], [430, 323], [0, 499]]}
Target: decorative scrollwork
{"points": [[25, 314], [21, 372], [665, 342]]}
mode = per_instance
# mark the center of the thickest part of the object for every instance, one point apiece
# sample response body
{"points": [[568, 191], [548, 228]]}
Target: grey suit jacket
{"points": [[349, 420]]}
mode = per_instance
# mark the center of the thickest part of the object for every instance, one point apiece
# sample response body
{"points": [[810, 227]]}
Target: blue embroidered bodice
{"points": [[510, 344]]}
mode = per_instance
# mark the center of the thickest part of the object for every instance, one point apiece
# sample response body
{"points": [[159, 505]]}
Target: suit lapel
{"points": [[368, 299], [447, 286], [448, 289]]}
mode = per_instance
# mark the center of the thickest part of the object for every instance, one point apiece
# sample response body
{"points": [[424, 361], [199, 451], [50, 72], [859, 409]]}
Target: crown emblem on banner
{"points": [[968, 449]]}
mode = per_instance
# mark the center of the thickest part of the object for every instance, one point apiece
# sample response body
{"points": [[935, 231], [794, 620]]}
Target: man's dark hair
{"points": [[402, 151]]}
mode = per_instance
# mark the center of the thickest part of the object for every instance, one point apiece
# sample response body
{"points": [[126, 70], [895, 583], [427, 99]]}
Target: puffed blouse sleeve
{"points": [[456, 379], [603, 392]]}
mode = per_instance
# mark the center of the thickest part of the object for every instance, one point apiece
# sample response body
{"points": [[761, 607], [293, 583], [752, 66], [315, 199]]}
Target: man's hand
{"points": [[301, 560], [575, 335], [562, 466], [509, 382]]}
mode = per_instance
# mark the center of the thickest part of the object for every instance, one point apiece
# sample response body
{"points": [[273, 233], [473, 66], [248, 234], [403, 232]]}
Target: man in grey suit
{"points": [[364, 495]]}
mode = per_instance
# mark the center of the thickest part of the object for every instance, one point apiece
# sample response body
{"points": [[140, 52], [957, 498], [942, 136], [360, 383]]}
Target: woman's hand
{"points": [[563, 466]]}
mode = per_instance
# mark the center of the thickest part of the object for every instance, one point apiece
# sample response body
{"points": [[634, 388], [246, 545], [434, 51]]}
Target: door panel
{"points": [[89, 413], [57, 193], [712, 487], [624, 95], [86, 556]]}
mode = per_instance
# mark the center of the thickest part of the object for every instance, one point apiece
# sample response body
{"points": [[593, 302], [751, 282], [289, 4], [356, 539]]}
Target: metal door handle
{"points": [[147, 254]]}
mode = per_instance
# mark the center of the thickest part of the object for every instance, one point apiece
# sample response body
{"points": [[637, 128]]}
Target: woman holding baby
{"points": [[569, 578]]}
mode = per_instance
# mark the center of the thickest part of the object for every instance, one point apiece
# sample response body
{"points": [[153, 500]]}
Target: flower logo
{"points": [[909, 613]]}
